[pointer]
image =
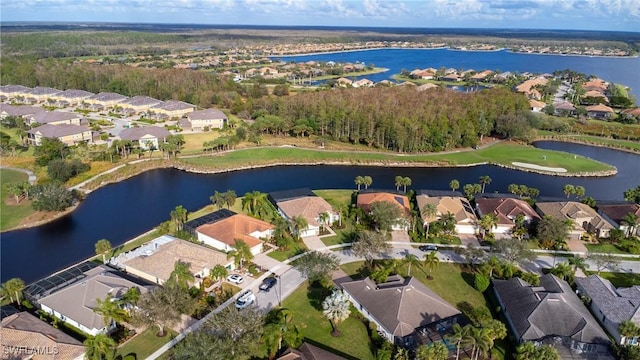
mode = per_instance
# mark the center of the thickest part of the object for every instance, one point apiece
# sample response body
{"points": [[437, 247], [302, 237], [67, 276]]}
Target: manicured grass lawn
{"points": [[193, 142], [11, 215], [610, 248], [306, 305], [145, 343], [620, 279], [501, 153], [292, 251], [336, 197]]}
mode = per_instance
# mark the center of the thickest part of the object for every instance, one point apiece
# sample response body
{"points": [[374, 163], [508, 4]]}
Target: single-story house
{"points": [[536, 106], [466, 221], [211, 118], [148, 137], [612, 306], [307, 351], [599, 111], [596, 94], [24, 336], [615, 212], [154, 261], [563, 108], [528, 87], [367, 198], [427, 86], [400, 307], [507, 210], [344, 82], [584, 218], [224, 227], [74, 303], [53, 118], [172, 108], [362, 83], [68, 134], [551, 313], [137, 104], [303, 202]]}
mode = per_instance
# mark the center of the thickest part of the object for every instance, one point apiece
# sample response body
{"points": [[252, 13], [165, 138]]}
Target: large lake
{"points": [[119, 212], [624, 71]]}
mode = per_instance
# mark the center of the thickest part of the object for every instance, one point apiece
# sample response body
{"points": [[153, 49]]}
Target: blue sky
{"points": [[622, 15]]}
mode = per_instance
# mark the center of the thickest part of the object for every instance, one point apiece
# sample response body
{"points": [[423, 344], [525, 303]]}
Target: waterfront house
{"points": [[583, 217], [551, 313], [74, 304], [154, 261], [367, 197], [25, 336], [304, 203], [68, 134], [209, 118], [600, 111], [615, 213], [362, 83], [564, 108], [612, 306], [147, 137], [400, 307], [222, 228], [344, 82], [506, 209], [448, 202], [529, 87]]}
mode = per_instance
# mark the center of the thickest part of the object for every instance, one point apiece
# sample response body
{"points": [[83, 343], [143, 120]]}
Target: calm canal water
{"points": [[124, 210], [619, 70]]}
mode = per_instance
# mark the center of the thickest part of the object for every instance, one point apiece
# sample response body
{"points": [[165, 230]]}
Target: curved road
{"points": [[32, 176]]}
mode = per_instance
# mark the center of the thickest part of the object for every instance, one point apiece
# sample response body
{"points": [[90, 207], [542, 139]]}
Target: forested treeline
{"points": [[398, 118]]}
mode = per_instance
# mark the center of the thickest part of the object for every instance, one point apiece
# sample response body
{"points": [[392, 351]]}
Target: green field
{"points": [[11, 215], [500, 153], [145, 343]]}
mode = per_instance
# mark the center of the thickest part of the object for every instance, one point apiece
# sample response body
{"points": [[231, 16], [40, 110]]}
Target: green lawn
{"points": [[145, 343], [292, 251], [620, 279], [305, 303], [500, 153], [611, 248], [336, 198], [11, 215]]}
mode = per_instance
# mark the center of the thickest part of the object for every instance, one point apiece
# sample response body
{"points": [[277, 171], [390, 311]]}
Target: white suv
{"points": [[245, 300]]}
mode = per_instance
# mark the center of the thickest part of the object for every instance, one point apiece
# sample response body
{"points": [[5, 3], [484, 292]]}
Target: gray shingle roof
{"points": [[45, 117], [551, 309], [56, 131], [207, 114], [616, 304], [108, 96], [401, 305], [22, 110], [141, 101]]}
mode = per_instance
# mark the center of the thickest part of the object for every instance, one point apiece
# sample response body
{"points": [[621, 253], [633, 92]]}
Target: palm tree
{"points": [[487, 223], [399, 181], [218, 273], [111, 311], [579, 191], [628, 328], [513, 188], [281, 330], [229, 197], [257, 204], [578, 262], [492, 263], [179, 217], [367, 181], [483, 341], [562, 270], [13, 289], [336, 308], [454, 184], [429, 211], [448, 221], [299, 224], [406, 181], [217, 199], [526, 351], [323, 220], [103, 246], [568, 190], [630, 220], [458, 335], [181, 274], [240, 253], [100, 347], [359, 180], [484, 180], [410, 259], [431, 260]]}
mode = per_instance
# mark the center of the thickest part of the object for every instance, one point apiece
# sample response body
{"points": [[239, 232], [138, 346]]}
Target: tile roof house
{"points": [[344, 82], [68, 134], [223, 232], [584, 218], [528, 87], [53, 118], [614, 213], [211, 118], [400, 306], [148, 137], [366, 198], [155, 260], [599, 111], [563, 108], [310, 208], [536, 106], [362, 83], [307, 351], [466, 220], [612, 306], [553, 314], [74, 303], [506, 209], [24, 336]]}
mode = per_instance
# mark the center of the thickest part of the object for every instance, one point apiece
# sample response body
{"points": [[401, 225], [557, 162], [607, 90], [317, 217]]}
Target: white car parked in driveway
{"points": [[235, 278]]}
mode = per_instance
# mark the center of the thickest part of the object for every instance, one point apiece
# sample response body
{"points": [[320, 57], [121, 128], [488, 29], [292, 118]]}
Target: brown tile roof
{"points": [[458, 206], [309, 207], [401, 305], [574, 211], [599, 108], [617, 211], [238, 226], [161, 261], [309, 352], [506, 209], [366, 199], [27, 331]]}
